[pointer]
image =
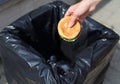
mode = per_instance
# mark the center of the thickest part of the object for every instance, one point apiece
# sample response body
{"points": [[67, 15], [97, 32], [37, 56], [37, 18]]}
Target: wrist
{"points": [[92, 1]]}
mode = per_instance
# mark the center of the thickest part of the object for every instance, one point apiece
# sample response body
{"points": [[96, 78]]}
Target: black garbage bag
{"points": [[33, 52]]}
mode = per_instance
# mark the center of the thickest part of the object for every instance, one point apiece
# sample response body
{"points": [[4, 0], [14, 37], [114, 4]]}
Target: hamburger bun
{"points": [[67, 33]]}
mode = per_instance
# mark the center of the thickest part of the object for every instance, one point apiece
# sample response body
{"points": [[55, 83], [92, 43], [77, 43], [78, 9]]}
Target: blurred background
{"points": [[107, 14]]}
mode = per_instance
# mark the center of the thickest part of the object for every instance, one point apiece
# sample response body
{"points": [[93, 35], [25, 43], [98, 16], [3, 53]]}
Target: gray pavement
{"points": [[113, 73], [2, 75], [108, 14]]}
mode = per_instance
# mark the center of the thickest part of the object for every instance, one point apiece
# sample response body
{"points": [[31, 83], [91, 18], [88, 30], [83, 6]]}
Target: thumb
{"points": [[73, 21]]}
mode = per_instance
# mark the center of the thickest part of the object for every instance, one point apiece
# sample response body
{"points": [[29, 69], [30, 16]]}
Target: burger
{"points": [[67, 33]]}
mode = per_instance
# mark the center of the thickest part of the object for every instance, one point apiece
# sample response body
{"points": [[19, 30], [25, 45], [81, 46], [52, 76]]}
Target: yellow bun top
{"points": [[67, 32]]}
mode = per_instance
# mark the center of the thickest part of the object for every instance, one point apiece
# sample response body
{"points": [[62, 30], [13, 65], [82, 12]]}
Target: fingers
{"points": [[78, 12], [73, 21], [81, 10], [82, 17], [76, 17], [69, 12]]}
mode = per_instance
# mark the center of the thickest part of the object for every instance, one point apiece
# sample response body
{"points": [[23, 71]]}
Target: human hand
{"points": [[81, 10]]}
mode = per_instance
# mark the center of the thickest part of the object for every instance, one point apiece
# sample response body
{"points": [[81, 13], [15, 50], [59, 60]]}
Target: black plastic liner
{"points": [[33, 52]]}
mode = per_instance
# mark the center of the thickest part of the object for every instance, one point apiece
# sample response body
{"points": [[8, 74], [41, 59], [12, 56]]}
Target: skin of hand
{"points": [[81, 10]]}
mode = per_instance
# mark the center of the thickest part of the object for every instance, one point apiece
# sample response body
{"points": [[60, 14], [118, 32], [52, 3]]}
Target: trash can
{"points": [[33, 52]]}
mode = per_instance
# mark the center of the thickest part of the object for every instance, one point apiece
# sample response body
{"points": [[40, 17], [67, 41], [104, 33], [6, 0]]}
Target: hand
{"points": [[80, 10]]}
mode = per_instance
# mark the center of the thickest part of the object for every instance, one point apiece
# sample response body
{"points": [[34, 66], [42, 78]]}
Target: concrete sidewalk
{"points": [[108, 14], [113, 73]]}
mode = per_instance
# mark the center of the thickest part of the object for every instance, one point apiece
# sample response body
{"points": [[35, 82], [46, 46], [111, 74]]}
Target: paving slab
{"points": [[113, 73], [108, 14]]}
